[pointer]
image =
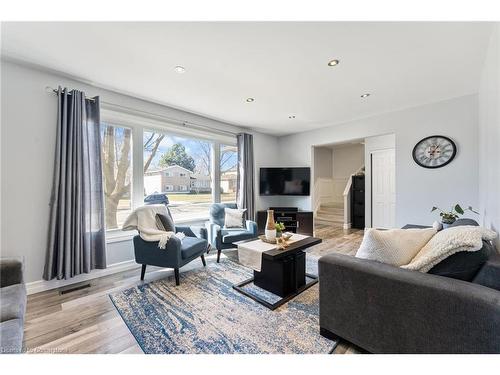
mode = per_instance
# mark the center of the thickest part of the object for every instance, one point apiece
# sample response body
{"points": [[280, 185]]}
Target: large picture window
{"points": [[181, 167], [116, 146]]}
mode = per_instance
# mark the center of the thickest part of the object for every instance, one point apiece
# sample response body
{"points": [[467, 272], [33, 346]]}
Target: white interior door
{"points": [[383, 174]]}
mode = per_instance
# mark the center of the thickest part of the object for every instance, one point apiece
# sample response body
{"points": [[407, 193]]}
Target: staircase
{"points": [[331, 214]]}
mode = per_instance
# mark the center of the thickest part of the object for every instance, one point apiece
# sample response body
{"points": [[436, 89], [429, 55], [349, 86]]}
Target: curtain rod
{"points": [[69, 93], [169, 119]]}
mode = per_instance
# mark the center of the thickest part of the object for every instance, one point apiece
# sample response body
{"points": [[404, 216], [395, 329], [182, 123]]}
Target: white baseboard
{"points": [[347, 226], [43, 285]]}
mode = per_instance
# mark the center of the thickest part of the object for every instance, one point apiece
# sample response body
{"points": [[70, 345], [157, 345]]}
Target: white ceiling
{"points": [[282, 65]]}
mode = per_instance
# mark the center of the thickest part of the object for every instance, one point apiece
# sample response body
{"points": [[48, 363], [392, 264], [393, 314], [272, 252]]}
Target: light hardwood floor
{"points": [[85, 321]]}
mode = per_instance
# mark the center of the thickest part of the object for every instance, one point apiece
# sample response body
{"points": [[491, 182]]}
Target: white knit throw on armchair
{"points": [[143, 219]]}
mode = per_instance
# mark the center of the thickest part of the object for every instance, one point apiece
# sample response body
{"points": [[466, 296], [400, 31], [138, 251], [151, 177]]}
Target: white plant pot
{"points": [[270, 234]]}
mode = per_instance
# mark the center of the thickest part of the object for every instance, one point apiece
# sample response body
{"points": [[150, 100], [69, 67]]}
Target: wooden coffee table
{"points": [[282, 271]]}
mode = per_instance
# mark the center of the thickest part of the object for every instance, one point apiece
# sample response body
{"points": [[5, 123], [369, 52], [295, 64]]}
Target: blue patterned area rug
{"points": [[206, 315]]}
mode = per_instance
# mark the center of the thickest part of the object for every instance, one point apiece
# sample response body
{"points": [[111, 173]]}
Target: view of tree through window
{"points": [[228, 171], [180, 167], [116, 145]]}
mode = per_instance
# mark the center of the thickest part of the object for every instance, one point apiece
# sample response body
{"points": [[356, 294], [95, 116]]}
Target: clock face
{"points": [[434, 152]]}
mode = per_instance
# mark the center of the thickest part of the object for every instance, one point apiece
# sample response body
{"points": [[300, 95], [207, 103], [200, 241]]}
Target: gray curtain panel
{"points": [[76, 235], [245, 197]]}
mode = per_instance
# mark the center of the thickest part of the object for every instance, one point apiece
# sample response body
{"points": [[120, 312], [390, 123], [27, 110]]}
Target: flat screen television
{"points": [[285, 181]]}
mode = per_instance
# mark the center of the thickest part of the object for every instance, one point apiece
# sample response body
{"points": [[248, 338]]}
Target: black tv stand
{"points": [[295, 220]]}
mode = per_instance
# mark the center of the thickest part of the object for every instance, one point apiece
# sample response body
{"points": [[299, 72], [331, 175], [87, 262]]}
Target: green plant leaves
{"points": [[279, 226], [455, 211]]}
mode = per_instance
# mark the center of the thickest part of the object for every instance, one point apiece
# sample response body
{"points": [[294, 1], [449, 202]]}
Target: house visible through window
{"points": [[180, 166], [116, 147], [228, 172]]}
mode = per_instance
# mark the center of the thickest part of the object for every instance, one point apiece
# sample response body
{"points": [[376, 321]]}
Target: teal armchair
{"points": [[177, 252], [224, 238]]}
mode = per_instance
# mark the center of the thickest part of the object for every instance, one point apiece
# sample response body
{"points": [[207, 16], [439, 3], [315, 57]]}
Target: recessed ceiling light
{"points": [[291, 116], [365, 95], [333, 62], [249, 100], [180, 69]]}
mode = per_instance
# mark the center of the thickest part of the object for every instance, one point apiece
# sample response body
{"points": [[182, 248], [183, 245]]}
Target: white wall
{"points": [[266, 155], [323, 163], [418, 189], [347, 159], [322, 187], [27, 157], [489, 136]]}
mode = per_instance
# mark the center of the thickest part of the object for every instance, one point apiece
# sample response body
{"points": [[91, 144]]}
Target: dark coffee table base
{"points": [[283, 276], [274, 306]]}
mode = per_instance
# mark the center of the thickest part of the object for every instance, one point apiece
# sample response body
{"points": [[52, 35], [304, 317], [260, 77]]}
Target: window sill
{"points": [[192, 221], [118, 235]]}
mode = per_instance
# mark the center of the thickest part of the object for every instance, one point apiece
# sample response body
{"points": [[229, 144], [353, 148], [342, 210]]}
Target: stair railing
{"points": [[347, 203], [316, 197]]}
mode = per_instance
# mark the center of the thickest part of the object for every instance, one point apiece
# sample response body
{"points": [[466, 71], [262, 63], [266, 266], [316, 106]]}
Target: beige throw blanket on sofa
{"points": [[448, 242], [143, 219], [421, 249]]}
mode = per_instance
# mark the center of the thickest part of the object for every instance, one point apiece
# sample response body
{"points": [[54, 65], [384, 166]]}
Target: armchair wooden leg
{"points": [[209, 247], [218, 255], [143, 271], [203, 260], [176, 272]]}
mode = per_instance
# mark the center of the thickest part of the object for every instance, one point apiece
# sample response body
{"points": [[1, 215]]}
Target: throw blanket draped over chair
{"points": [[161, 248], [143, 219]]}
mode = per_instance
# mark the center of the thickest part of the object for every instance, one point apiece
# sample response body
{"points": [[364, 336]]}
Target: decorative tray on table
{"points": [[285, 236]]}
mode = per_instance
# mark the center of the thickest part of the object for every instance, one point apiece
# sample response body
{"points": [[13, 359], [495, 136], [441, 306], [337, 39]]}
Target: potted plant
{"points": [[449, 217], [280, 227]]}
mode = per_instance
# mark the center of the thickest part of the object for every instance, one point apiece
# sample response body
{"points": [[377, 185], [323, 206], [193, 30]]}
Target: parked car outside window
{"points": [[157, 198]]}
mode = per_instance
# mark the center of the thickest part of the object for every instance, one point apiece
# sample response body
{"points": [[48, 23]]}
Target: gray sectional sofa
{"points": [[387, 309], [12, 305]]}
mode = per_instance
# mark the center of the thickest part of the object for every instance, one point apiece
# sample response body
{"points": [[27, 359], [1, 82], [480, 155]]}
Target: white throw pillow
{"points": [[233, 217], [393, 246]]}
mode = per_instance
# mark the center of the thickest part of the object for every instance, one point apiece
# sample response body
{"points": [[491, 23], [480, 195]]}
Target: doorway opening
{"points": [[353, 188], [335, 168]]}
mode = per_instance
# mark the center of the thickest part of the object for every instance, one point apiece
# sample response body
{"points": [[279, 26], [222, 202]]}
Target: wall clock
{"points": [[434, 152]]}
